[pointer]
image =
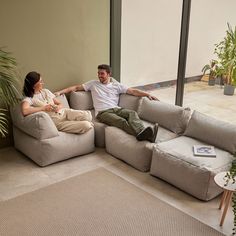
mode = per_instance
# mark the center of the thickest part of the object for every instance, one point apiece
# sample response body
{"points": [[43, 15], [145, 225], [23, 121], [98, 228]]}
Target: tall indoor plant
{"points": [[226, 53], [8, 88]]}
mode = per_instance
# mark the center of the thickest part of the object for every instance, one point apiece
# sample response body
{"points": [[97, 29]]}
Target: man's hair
{"points": [[105, 67], [30, 80]]}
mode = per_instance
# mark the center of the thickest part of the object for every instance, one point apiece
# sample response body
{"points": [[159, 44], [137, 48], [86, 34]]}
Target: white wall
{"points": [[208, 24], [63, 40], [150, 37], [149, 40]]}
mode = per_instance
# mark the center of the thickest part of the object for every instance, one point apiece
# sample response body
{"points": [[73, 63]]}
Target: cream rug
{"points": [[95, 203]]}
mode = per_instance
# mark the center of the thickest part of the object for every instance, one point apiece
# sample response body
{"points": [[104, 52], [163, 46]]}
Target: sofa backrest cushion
{"points": [[169, 116], [81, 100], [129, 102], [39, 125], [212, 131], [62, 98]]}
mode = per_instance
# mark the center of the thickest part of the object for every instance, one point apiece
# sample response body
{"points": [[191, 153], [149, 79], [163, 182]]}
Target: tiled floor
{"points": [[19, 175], [206, 99]]}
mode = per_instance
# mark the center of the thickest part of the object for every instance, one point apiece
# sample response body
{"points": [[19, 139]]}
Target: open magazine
{"points": [[204, 150]]}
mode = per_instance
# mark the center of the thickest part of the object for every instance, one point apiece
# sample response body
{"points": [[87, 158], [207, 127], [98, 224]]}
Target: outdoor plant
{"points": [[231, 177], [9, 94], [212, 70], [226, 55]]}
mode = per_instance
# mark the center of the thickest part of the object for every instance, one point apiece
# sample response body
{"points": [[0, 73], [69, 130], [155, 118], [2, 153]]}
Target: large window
{"points": [[149, 51]]}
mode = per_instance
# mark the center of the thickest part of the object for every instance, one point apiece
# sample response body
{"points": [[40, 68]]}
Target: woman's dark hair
{"points": [[30, 80], [105, 67]]}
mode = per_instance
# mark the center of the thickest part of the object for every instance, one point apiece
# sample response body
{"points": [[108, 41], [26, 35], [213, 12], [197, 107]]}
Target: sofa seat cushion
{"points": [[55, 149], [99, 133], [212, 131], [174, 162], [125, 147], [171, 117], [163, 134]]}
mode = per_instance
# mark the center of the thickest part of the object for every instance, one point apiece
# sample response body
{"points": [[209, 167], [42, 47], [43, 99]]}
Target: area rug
{"points": [[95, 203]]}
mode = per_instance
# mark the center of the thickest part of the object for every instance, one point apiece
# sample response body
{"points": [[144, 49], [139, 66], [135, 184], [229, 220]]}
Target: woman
{"points": [[39, 99]]}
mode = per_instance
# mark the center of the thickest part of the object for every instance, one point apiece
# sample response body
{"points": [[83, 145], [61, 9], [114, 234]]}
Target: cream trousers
{"points": [[72, 121]]}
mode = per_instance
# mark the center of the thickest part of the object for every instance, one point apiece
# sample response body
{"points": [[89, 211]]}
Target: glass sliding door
{"points": [[205, 31], [150, 32]]}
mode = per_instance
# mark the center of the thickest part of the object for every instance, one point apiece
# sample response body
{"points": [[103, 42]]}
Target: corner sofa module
{"points": [[38, 138], [174, 161]]}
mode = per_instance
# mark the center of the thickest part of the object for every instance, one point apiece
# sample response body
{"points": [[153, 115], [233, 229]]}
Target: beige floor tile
{"points": [[207, 99], [19, 175]]}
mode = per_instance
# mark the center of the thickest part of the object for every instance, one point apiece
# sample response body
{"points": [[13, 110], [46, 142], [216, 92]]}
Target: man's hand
{"points": [[151, 97]]}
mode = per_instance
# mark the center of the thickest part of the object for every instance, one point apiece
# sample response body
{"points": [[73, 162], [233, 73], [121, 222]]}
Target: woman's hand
{"points": [[55, 108], [47, 107]]}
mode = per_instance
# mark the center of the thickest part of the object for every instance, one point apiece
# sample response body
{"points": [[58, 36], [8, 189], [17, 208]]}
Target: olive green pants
{"points": [[125, 119]]}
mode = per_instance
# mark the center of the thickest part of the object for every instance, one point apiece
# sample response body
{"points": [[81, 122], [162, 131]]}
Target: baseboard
{"points": [[168, 83]]}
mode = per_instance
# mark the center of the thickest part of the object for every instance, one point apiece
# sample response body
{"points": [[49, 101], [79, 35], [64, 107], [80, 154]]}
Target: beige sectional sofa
{"points": [[170, 159]]}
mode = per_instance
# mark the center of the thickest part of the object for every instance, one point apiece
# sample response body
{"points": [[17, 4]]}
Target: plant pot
{"points": [[211, 81], [229, 89], [219, 80]]}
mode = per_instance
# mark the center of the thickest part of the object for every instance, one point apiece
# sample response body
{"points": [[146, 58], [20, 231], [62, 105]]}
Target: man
{"points": [[105, 94]]}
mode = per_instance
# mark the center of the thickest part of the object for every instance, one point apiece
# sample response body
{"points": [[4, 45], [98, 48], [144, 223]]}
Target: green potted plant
{"points": [[231, 177], [211, 70], [226, 53], [9, 94]]}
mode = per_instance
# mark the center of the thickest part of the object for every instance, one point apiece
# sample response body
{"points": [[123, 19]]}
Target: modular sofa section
{"points": [[174, 162], [126, 148], [37, 137], [48, 151]]}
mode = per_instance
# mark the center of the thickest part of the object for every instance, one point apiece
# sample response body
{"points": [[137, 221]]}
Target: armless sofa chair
{"points": [[37, 137], [174, 161]]}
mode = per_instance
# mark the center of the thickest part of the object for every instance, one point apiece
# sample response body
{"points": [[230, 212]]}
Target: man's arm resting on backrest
{"points": [[78, 87], [140, 93]]}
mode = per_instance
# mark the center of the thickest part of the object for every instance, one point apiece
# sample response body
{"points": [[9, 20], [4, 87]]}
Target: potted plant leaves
{"points": [[231, 176], [9, 94], [226, 53], [211, 70]]}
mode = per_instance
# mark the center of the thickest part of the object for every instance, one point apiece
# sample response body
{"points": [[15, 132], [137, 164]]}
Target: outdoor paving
{"points": [[200, 96]]}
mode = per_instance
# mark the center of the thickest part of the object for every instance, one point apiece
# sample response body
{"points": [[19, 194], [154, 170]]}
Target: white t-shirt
{"points": [[105, 96], [41, 99]]}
